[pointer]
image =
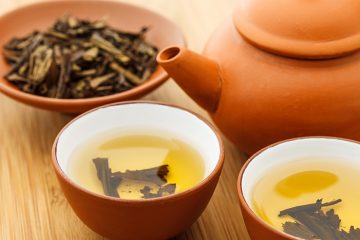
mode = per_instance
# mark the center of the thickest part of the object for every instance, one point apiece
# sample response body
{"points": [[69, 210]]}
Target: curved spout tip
{"points": [[197, 75], [168, 54]]}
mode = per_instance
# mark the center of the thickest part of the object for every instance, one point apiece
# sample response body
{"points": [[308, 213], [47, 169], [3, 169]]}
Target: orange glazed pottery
{"points": [[277, 70], [281, 154], [145, 219]]}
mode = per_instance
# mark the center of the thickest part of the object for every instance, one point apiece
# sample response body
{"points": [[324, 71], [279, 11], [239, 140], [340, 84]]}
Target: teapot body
{"points": [[267, 98]]}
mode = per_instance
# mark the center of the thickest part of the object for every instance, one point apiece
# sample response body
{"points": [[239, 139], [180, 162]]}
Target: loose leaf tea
{"points": [[313, 223], [79, 59], [110, 181]]}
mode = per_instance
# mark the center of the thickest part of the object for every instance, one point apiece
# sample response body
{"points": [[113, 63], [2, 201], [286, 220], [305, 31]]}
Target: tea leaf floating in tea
{"points": [[104, 174], [111, 180], [162, 191], [313, 223], [156, 175], [79, 59]]}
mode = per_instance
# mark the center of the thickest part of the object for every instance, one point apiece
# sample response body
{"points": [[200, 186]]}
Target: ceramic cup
{"points": [[280, 154], [158, 218]]}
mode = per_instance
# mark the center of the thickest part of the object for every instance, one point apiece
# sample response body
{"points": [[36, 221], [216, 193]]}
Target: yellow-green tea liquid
{"points": [[136, 151], [305, 181]]}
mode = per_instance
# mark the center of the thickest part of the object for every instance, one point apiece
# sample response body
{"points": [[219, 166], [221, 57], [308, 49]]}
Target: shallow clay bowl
{"points": [[159, 218], [336, 150], [41, 15]]}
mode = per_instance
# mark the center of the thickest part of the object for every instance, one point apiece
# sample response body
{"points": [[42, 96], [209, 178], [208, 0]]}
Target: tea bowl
{"points": [[42, 15], [334, 150], [158, 218]]}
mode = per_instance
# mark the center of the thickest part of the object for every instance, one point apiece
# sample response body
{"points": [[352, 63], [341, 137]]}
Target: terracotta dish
{"points": [[42, 15], [150, 219], [342, 151], [264, 79]]}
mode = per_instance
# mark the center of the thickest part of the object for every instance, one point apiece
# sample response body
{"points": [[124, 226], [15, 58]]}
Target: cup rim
{"points": [[217, 169], [244, 203]]}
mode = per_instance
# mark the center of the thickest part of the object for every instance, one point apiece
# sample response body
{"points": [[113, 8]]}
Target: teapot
{"points": [[277, 70]]}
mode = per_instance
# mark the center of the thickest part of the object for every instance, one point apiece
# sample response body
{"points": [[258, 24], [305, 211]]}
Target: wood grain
{"points": [[32, 203]]}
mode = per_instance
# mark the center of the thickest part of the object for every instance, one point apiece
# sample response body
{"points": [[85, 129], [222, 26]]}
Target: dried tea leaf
{"points": [[15, 77], [102, 43], [78, 58], [72, 22], [40, 63], [94, 83], [26, 53], [91, 54], [85, 73], [129, 75], [65, 70]]}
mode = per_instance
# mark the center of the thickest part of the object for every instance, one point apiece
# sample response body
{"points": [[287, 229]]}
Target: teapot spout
{"points": [[197, 75]]}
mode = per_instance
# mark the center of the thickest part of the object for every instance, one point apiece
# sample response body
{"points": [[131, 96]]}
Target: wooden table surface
{"points": [[32, 203]]}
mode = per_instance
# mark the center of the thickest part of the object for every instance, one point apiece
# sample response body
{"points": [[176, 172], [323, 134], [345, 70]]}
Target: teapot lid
{"points": [[311, 29]]}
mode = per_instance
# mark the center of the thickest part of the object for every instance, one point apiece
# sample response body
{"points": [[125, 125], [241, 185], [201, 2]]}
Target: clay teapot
{"points": [[277, 70]]}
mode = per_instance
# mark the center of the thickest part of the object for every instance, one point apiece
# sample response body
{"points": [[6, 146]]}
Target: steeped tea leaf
{"points": [[313, 223], [162, 191], [111, 180], [105, 176]]}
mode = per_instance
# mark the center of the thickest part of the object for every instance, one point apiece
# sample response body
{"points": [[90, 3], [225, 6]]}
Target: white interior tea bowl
{"points": [[335, 150], [158, 218]]}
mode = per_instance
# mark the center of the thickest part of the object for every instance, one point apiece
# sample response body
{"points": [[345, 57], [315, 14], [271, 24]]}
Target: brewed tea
{"points": [[312, 189], [136, 164]]}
